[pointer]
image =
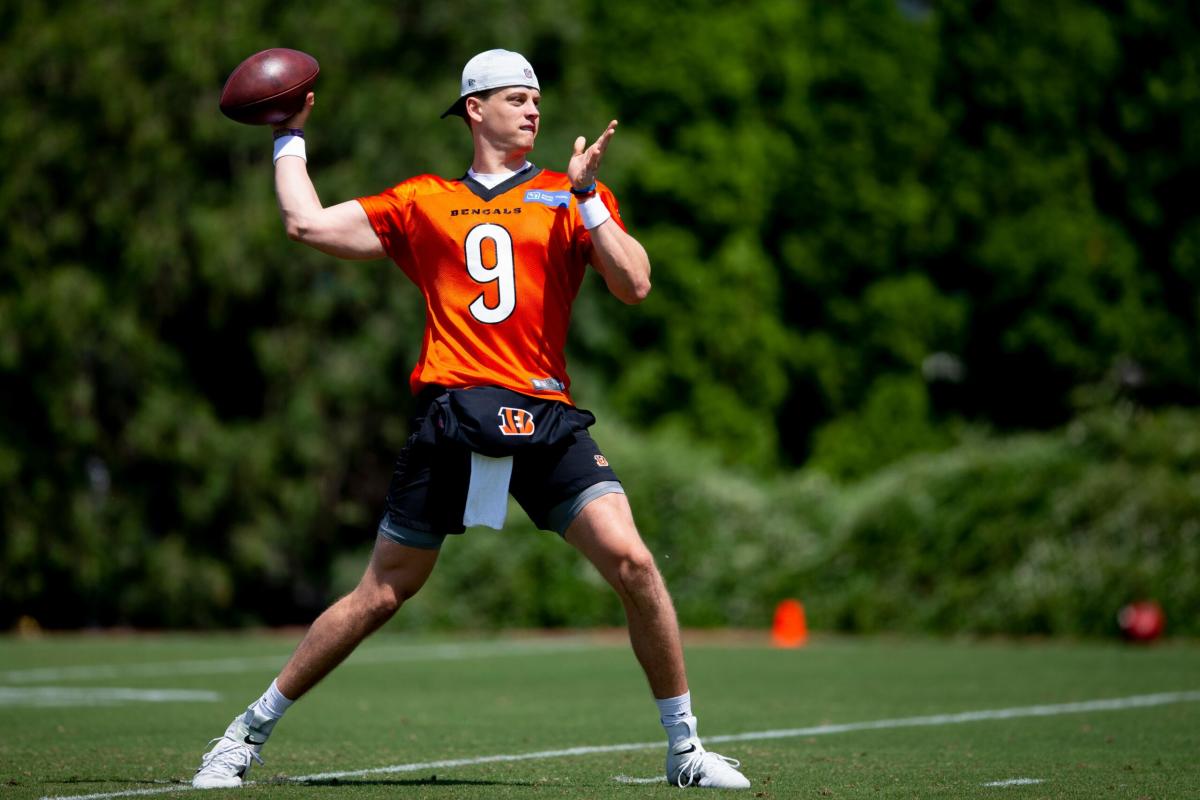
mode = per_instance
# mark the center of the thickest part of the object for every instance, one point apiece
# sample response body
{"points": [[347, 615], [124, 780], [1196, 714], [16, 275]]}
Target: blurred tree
{"points": [[780, 148], [1061, 189]]}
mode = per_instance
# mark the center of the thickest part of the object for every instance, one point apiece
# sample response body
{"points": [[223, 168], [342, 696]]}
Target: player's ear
{"points": [[473, 110]]}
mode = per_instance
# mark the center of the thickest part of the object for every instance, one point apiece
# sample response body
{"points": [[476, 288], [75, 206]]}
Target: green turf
{"points": [[402, 700]]}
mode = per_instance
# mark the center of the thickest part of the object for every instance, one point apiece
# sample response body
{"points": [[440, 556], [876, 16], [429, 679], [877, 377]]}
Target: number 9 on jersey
{"points": [[502, 273]]}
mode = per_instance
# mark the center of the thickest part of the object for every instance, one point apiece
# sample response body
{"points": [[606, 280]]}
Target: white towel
{"points": [[487, 494]]}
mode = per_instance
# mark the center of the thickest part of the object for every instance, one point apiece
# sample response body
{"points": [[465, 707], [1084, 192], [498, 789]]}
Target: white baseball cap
{"points": [[492, 69]]}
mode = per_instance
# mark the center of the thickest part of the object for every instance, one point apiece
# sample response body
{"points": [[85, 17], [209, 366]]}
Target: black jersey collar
{"points": [[488, 195]]}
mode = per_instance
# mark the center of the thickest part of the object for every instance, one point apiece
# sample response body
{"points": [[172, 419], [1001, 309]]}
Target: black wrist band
{"points": [[585, 191], [279, 134]]}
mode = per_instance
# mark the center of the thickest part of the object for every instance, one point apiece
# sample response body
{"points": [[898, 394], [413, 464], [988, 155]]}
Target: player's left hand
{"points": [[584, 164]]}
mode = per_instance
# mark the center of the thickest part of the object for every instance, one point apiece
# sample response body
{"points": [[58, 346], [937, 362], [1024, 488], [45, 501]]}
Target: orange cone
{"points": [[790, 628]]}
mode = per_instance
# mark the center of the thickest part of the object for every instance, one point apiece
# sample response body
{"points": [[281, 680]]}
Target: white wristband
{"points": [[594, 212], [290, 146]]}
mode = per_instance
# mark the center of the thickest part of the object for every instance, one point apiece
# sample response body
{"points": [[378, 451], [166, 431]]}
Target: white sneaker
{"points": [[689, 764], [224, 766]]}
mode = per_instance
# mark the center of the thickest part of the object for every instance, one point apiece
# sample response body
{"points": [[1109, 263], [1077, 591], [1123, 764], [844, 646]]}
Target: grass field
{"points": [[434, 718]]}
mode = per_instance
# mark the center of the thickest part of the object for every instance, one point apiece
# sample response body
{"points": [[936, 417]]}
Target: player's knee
{"points": [[380, 606], [382, 602], [637, 572]]}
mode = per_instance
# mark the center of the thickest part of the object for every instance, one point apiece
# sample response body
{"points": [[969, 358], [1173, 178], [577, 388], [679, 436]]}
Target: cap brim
{"points": [[459, 109]]}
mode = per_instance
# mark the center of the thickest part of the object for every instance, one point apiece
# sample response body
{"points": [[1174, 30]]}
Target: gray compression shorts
{"points": [[559, 518]]}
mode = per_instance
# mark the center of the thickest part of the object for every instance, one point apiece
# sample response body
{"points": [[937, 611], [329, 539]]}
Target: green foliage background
{"points": [[921, 350]]}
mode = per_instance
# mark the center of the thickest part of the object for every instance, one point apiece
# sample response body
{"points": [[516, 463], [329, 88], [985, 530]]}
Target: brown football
{"points": [[270, 86]]}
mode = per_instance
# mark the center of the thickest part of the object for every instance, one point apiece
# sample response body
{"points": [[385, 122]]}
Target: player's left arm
{"points": [[618, 257]]}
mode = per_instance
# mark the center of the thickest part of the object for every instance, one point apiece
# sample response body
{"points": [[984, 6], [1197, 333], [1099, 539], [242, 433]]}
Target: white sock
{"points": [[674, 710], [264, 712]]}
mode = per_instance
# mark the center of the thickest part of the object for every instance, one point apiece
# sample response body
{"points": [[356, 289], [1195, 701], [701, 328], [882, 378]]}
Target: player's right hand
{"points": [[298, 119]]}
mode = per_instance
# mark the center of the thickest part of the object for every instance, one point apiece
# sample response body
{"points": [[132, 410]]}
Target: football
{"points": [[269, 86]]}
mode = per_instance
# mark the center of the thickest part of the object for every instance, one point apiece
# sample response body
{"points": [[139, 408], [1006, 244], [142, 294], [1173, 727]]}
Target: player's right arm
{"points": [[342, 230]]}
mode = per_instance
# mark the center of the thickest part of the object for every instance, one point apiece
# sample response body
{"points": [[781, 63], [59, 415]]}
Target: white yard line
{"points": [[1116, 704], [1113, 704], [1014, 782], [152, 669], [630, 779], [61, 696], [219, 666]]}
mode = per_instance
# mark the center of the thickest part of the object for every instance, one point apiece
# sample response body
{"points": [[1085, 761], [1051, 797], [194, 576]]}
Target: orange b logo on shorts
{"points": [[515, 421]]}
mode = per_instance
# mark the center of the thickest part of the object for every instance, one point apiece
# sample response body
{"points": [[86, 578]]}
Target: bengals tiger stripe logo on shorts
{"points": [[515, 421]]}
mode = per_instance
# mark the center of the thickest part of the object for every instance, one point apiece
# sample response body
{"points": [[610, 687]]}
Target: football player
{"points": [[499, 255]]}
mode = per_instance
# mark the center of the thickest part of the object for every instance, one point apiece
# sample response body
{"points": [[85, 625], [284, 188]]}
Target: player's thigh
{"points": [[605, 533], [398, 569]]}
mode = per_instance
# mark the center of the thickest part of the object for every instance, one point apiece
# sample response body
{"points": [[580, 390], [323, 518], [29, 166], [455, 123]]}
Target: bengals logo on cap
{"points": [[515, 421]]}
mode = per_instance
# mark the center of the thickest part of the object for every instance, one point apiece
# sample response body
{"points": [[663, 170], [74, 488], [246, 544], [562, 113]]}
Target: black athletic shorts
{"points": [[428, 492]]}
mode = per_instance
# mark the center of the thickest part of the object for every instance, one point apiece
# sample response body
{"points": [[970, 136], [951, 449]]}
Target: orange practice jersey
{"points": [[499, 270]]}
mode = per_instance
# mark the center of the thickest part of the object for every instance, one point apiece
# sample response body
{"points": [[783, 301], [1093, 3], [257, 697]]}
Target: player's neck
{"points": [[493, 161]]}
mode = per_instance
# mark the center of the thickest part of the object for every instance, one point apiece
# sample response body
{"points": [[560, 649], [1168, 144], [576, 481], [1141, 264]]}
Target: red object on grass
{"points": [[1142, 621], [790, 628]]}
